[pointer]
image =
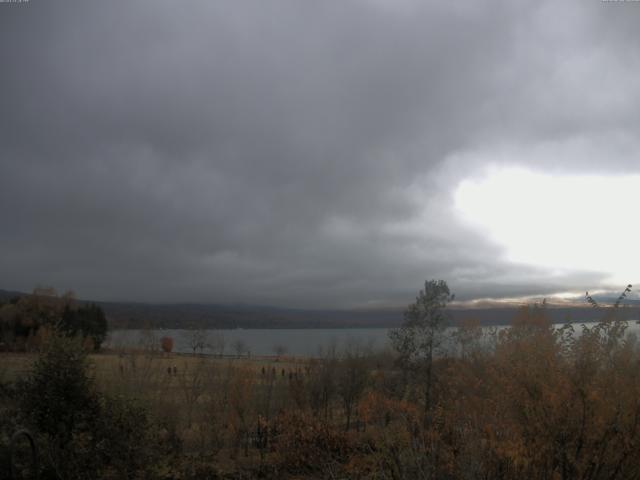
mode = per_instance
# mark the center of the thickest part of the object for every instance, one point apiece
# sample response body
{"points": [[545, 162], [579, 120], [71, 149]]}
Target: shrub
{"points": [[166, 343], [306, 445], [58, 396], [81, 433], [126, 443]]}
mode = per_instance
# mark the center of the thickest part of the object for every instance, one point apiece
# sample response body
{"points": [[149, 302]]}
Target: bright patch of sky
{"points": [[563, 223]]}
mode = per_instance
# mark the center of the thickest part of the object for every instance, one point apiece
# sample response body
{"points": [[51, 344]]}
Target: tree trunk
{"points": [[427, 386]]}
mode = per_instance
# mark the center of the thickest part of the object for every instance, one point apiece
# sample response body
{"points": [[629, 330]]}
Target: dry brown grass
{"points": [[13, 365]]}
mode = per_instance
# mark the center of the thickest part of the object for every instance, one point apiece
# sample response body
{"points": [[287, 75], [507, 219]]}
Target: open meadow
{"points": [[532, 401], [319, 240]]}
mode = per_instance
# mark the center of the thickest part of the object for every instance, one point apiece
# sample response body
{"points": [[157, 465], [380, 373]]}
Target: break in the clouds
{"points": [[314, 153]]}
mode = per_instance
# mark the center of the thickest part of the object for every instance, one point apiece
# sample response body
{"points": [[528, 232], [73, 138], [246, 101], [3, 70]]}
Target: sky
{"points": [[330, 154]]}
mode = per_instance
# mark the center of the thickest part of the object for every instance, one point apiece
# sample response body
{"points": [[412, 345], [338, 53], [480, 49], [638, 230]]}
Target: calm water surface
{"points": [[303, 342]]}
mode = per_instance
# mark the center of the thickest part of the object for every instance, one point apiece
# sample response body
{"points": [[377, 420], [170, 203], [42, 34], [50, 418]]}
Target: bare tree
{"points": [[148, 340], [279, 350], [240, 347], [421, 335], [322, 384], [192, 381], [217, 343], [352, 377], [197, 340]]}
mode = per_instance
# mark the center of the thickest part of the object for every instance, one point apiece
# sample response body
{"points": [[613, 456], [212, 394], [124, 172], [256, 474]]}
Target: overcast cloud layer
{"points": [[294, 152]]}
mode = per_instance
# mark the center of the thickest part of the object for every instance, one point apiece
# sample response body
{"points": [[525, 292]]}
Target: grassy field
{"points": [[112, 363], [519, 409], [204, 401]]}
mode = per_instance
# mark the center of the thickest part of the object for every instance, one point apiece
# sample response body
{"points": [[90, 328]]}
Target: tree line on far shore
{"points": [[27, 321], [528, 401]]}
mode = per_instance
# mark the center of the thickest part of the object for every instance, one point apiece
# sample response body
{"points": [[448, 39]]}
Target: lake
{"points": [[299, 342]]}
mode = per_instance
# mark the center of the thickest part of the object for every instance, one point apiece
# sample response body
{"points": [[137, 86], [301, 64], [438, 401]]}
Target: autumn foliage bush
{"points": [[166, 343], [527, 401], [305, 445]]}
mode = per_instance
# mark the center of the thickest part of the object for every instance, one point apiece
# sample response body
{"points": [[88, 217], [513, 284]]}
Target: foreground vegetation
{"points": [[529, 401]]}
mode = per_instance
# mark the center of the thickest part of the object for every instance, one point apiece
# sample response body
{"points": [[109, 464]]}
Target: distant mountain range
{"points": [[7, 294], [193, 315]]}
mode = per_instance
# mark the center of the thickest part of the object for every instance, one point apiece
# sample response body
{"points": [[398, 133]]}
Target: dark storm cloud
{"points": [[297, 153]]}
